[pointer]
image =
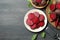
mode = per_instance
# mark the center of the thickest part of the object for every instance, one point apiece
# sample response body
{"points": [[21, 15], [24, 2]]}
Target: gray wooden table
{"points": [[12, 21]]}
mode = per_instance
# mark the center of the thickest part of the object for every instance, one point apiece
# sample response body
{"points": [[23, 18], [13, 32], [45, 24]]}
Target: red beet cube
{"points": [[58, 5], [41, 18], [31, 16], [33, 26], [35, 20], [29, 22], [41, 24], [38, 1], [36, 14], [53, 16], [52, 7]]}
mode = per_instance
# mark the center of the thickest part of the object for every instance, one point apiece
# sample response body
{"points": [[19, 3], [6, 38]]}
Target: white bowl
{"points": [[38, 29]]}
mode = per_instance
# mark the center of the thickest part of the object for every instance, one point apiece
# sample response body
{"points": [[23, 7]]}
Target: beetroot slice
{"points": [[41, 24], [38, 1], [53, 16], [58, 5], [35, 20], [52, 7], [31, 16], [29, 22], [41, 18], [36, 14], [33, 26]]}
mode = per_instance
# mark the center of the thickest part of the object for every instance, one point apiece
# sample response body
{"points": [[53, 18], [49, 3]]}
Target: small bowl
{"points": [[39, 6], [38, 29]]}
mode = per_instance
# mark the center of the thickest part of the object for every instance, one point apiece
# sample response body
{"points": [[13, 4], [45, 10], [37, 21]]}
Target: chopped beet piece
{"points": [[58, 5], [41, 24], [41, 18], [35, 20], [31, 16], [53, 16], [33, 26], [52, 7], [29, 22], [38, 1], [36, 14]]}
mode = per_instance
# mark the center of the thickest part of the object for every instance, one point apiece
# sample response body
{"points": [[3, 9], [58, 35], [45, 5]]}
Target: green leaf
{"points": [[49, 11], [29, 5], [34, 36], [43, 34], [28, 0], [50, 2]]}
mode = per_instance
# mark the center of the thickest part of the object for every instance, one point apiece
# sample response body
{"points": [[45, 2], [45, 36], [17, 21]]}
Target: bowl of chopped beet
{"points": [[35, 20], [39, 3]]}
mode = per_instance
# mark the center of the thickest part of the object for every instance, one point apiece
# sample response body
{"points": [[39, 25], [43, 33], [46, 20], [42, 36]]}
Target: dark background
{"points": [[12, 21]]}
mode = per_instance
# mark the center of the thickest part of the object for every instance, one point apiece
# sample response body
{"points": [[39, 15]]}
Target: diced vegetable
{"points": [[43, 34]]}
